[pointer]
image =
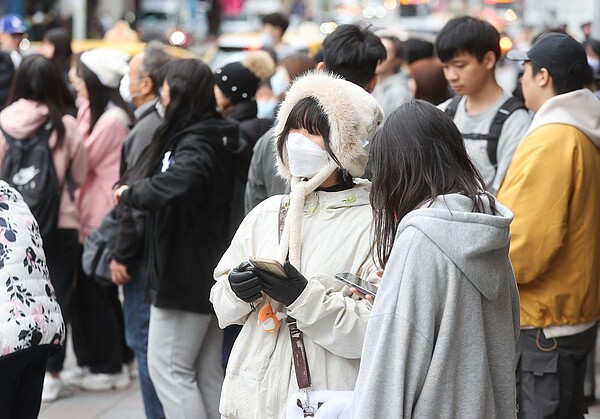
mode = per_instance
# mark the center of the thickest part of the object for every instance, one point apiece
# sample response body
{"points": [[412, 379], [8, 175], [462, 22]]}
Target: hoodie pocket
{"points": [[538, 390]]}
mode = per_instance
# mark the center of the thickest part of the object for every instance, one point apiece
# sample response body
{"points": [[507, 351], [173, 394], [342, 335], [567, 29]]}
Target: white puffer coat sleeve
{"points": [[29, 313]]}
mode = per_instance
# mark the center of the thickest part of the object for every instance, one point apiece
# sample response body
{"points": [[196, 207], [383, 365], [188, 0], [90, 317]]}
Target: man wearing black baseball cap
{"points": [[553, 189]]}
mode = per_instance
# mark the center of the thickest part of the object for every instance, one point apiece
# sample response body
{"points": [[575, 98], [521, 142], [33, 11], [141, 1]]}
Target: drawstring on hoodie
{"points": [[539, 345]]}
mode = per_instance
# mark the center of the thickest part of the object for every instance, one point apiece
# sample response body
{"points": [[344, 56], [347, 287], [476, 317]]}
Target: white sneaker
{"points": [[74, 377], [54, 389], [132, 369], [101, 382]]}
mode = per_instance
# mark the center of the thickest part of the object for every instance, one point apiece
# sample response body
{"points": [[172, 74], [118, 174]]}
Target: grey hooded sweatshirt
{"points": [[440, 342]]}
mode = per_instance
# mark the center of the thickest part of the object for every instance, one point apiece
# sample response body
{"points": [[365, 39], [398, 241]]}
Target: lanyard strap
{"points": [[296, 337]]}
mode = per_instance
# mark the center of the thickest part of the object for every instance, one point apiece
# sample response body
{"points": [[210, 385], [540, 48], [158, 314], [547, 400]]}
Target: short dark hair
{"points": [[278, 20], [353, 53], [467, 34], [417, 49], [399, 50], [577, 79], [418, 155]]}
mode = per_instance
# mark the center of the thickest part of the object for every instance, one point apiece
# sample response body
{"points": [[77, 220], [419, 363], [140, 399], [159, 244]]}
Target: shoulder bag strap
{"points": [[296, 336]]}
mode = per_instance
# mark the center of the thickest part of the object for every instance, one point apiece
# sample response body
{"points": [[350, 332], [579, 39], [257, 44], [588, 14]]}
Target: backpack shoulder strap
{"points": [[453, 106], [508, 107]]}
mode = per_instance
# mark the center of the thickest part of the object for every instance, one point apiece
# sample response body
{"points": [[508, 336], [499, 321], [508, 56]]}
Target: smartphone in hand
{"points": [[360, 284], [269, 265]]}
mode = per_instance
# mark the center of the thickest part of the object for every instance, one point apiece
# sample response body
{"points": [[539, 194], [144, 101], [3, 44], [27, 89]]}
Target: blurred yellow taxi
{"points": [[131, 47]]}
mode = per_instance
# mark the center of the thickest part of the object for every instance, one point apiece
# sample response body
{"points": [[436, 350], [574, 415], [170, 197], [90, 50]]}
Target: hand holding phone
{"points": [[269, 265], [282, 283], [355, 282]]}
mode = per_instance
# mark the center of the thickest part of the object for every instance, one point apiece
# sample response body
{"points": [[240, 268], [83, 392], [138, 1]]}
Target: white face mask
{"points": [[266, 108], [125, 91], [306, 158], [594, 63], [267, 39], [160, 109], [279, 82]]}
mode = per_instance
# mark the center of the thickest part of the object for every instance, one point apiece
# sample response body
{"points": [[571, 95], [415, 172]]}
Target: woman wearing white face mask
{"points": [[323, 127]]}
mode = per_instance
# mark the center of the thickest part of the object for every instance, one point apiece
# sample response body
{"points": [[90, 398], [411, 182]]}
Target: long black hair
{"points": [[60, 39], [191, 88], [37, 79], [100, 95], [418, 155]]}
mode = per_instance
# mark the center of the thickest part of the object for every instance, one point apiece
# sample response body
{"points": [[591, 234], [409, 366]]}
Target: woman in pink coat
{"points": [[103, 119]]}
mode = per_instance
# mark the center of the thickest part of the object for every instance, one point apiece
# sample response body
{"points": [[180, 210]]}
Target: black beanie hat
{"points": [[236, 82]]}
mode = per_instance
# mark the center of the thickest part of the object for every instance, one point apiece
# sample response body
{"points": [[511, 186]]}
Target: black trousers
{"points": [[97, 325], [21, 382], [62, 259], [550, 374]]}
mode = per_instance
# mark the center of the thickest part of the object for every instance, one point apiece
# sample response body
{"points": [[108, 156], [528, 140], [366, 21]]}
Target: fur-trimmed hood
{"points": [[353, 116]]}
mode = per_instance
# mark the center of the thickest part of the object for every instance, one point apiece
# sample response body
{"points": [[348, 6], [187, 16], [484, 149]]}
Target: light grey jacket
{"points": [[440, 342]]}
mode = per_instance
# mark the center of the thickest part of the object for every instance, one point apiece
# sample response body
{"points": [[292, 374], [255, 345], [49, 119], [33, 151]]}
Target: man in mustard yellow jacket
{"points": [[553, 189]]}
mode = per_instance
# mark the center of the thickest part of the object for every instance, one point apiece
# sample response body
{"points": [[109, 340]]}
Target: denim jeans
{"points": [[137, 319]]}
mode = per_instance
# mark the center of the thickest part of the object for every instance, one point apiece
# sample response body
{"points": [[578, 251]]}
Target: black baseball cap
{"points": [[557, 52]]}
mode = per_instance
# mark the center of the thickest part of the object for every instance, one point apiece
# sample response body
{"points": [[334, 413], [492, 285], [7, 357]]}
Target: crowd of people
{"points": [[238, 195]]}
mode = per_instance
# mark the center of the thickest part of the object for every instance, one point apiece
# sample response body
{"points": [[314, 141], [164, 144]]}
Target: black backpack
{"points": [[493, 135], [28, 166]]}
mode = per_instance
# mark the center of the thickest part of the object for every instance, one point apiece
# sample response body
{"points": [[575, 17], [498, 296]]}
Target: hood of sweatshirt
{"points": [[224, 134], [22, 118], [475, 242], [579, 109]]}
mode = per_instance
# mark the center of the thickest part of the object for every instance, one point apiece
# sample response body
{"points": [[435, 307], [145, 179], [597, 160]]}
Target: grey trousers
{"points": [[184, 361], [550, 374]]}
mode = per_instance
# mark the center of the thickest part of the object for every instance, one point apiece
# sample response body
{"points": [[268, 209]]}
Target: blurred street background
{"points": [[217, 30]]}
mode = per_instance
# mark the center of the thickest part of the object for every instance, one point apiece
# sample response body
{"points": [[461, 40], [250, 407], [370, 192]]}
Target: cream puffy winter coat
{"points": [[326, 233], [260, 378]]}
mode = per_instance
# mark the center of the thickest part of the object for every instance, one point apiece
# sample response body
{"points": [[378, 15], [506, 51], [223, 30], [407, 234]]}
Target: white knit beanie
{"points": [[109, 65], [353, 116]]}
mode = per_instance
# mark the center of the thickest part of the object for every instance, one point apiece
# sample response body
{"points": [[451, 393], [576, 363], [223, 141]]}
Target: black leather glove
{"points": [[285, 291], [244, 283]]}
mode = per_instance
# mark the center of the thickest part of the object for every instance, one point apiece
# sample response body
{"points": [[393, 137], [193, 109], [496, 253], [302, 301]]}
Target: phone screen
{"points": [[360, 284]]}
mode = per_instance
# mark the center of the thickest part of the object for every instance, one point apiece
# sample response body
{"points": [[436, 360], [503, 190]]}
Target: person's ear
{"points": [[320, 67], [147, 87], [543, 77], [370, 86], [489, 60]]}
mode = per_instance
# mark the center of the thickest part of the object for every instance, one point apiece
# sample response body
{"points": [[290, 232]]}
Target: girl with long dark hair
{"points": [[189, 176], [441, 338], [103, 120], [36, 98]]}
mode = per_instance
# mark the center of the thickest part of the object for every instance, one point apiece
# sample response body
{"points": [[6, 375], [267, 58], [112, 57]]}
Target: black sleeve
{"points": [[130, 237], [189, 176]]}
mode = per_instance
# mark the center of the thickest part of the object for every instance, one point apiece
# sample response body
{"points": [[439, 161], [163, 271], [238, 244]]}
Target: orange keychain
{"points": [[269, 319]]}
